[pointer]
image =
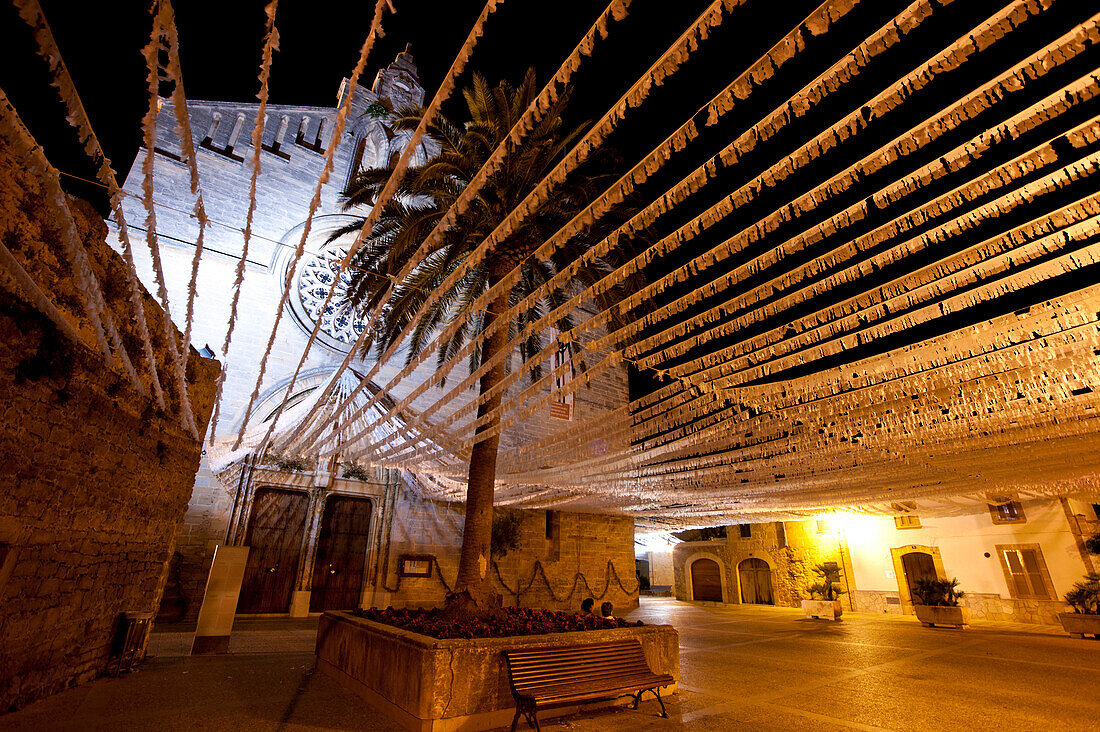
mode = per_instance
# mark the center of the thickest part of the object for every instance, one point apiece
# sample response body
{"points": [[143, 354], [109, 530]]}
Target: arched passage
{"points": [[755, 577]]}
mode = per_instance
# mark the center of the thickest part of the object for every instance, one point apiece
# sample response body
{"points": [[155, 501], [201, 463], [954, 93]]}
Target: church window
{"points": [[318, 143], [357, 158]]}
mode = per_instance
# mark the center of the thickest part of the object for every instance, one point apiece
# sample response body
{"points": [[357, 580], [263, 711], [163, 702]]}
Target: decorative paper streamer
{"points": [[271, 44]]}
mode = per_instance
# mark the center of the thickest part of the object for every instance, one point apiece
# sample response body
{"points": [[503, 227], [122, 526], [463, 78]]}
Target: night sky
{"points": [[220, 50]]}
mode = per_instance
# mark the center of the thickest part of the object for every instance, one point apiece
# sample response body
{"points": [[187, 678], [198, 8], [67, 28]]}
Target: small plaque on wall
{"points": [[415, 565]]}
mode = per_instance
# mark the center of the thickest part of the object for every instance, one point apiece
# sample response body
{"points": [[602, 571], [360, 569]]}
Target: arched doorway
{"points": [[274, 536], [706, 580], [756, 582], [341, 554], [917, 566]]}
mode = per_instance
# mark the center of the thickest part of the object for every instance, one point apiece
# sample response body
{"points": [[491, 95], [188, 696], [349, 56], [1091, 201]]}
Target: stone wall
{"points": [[562, 558], [791, 556], [96, 479]]}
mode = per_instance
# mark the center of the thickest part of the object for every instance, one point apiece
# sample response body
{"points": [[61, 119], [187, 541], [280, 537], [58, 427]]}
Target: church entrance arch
{"points": [[274, 538], [706, 580], [756, 582], [341, 554]]}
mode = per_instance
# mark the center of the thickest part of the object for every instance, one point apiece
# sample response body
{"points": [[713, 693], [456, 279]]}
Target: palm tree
{"points": [[425, 195]]}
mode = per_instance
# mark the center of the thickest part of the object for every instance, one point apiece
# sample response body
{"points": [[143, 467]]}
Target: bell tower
{"points": [[399, 83]]}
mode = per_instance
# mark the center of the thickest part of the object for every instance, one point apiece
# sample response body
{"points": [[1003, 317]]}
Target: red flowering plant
{"points": [[512, 621]]}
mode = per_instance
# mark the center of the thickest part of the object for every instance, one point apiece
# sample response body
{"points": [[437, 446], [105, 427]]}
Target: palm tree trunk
{"points": [[473, 563]]}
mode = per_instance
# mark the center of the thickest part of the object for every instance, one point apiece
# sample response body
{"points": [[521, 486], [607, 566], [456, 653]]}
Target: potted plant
{"points": [[936, 602], [1085, 599], [824, 594]]}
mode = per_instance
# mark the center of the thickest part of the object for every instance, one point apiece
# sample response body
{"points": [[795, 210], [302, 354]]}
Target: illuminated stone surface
{"points": [[741, 668]]}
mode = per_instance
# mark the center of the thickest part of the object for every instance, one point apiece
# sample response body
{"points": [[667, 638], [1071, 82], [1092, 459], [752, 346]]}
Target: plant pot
{"points": [[933, 615], [1079, 625], [827, 609]]}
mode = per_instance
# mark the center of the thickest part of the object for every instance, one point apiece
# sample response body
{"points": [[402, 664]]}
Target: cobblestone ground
{"points": [[750, 668]]}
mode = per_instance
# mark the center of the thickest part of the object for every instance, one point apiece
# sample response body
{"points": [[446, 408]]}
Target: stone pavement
{"points": [[743, 668]]}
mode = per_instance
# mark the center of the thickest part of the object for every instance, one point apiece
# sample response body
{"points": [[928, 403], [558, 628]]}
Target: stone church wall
{"points": [[95, 480], [562, 558], [292, 158]]}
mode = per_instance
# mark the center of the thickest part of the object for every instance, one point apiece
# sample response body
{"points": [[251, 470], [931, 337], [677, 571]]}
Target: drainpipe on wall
{"points": [[1078, 537], [849, 573]]}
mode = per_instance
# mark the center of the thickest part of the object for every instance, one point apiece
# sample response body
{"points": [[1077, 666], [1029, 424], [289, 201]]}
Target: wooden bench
{"points": [[566, 675]]}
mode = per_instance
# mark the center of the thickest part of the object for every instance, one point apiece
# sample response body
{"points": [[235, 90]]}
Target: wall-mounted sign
{"points": [[415, 565]]}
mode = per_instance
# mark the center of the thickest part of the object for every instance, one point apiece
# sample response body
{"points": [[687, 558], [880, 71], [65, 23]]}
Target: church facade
{"points": [[327, 534]]}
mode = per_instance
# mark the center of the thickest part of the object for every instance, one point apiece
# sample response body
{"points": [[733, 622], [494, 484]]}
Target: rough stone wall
{"points": [[791, 560], [586, 555], [95, 478]]}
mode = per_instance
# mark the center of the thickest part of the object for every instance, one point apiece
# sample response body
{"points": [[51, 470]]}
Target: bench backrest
{"points": [[533, 668]]}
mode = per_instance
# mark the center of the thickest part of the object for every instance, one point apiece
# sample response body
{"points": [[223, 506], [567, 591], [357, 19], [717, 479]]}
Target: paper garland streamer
{"points": [[616, 10], [326, 171], [385, 196], [32, 15], [668, 64], [149, 124], [271, 44], [95, 307]]}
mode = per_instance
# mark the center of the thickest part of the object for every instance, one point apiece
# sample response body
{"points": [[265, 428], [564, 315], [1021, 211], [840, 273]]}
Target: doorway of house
{"points": [[917, 565], [341, 554], [756, 582], [274, 536], [706, 580]]}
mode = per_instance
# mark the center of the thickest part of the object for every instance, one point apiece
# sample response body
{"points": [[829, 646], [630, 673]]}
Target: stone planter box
{"points": [[1079, 625], [933, 615], [427, 684], [825, 609]]}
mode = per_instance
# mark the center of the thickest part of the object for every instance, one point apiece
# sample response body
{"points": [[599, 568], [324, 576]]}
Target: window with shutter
{"points": [[907, 522], [1025, 572], [1008, 512]]}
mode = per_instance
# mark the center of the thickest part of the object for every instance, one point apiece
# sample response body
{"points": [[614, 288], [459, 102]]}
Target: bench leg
{"points": [[529, 713], [656, 693]]}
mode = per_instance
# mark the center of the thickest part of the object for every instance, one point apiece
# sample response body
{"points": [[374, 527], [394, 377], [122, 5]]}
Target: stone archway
{"points": [[708, 592]]}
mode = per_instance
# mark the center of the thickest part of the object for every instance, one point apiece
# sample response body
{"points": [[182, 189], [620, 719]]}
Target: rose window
{"points": [[338, 319]]}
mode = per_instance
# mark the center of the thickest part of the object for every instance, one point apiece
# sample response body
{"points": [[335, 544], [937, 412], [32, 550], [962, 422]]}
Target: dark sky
{"points": [[221, 41]]}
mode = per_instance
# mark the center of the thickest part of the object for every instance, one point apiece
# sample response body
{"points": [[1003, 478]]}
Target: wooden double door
{"points": [[341, 554], [276, 532], [756, 582]]}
